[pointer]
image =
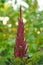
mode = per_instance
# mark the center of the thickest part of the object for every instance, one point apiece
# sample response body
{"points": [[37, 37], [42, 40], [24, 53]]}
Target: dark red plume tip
{"points": [[20, 47], [20, 12]]}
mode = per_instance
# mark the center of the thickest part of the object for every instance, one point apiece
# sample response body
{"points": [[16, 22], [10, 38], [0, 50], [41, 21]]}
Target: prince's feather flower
{"points": [[20, 47]]}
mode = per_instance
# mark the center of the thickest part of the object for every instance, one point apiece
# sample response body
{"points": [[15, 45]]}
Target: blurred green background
{"points": [[33, 23]]}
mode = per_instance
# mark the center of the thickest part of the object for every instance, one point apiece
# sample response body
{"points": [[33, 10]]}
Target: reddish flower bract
{"points": [[20, 47]]}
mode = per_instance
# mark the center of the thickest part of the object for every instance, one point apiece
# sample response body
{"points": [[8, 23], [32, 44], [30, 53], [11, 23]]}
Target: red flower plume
{"points": [[20, 47]]}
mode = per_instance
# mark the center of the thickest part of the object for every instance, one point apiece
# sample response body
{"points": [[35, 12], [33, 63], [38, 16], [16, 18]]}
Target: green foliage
{"points": [[33, 35], [2, 1]]}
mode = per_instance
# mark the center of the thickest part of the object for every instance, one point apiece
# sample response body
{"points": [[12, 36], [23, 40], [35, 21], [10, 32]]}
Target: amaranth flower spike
{"points": [[20, 47]]}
